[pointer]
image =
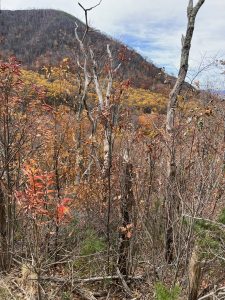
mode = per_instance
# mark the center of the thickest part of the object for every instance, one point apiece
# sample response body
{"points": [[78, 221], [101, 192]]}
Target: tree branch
{"points": [[186, 46], [86, 16]]}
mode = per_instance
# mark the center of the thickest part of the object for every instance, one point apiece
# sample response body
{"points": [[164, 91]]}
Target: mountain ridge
{"points": [[45, 36]]}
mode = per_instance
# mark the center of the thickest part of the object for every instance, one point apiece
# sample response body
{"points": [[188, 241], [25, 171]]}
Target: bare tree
{"points": [[171, 199], [107, 113]]}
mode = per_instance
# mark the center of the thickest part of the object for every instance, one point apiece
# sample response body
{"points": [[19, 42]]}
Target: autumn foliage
{"points": [[39, 197], [83, 188]]}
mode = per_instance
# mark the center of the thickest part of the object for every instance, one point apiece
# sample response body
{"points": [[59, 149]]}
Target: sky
{"points": [[154, 29]]}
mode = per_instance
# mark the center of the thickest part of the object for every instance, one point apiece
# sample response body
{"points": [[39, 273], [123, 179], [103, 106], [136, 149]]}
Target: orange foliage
{"points": [[39, 197]]}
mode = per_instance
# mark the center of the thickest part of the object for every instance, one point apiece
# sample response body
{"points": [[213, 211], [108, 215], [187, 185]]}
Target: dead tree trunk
{"points": [[127, 201], [171, 199], [3, 235], [194, 275], [7, 222]]}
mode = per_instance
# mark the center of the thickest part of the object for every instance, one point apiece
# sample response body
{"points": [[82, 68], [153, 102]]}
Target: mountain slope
{"points": [[40, 37]]}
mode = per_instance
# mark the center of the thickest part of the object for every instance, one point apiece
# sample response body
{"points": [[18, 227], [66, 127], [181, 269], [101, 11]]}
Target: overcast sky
{"points": [[153, 28]]}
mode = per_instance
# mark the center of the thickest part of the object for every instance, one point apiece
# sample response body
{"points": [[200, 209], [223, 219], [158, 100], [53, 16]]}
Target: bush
{"points": [[89, 262], [163, 293], [92, 243]]}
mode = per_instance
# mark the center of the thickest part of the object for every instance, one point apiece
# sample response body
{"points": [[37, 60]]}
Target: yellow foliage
{"points": [[141, 98], [55, 88]]}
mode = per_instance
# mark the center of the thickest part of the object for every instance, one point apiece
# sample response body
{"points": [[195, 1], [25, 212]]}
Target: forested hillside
{"points": [[40, 37]]}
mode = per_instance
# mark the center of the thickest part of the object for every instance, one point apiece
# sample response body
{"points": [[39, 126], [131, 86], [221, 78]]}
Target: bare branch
{"points": [[88, 9], [198, 6], [80, 41], [86, 16], [186, 46], [190, 7], [110, 79], [96, 81], [117, 68]]}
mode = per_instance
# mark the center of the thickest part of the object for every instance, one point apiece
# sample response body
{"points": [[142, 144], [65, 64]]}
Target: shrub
{"points": [[92, 243], [163, 293]]}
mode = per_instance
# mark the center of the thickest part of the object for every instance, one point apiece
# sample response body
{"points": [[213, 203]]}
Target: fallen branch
{"points": [[210, 287], [126, 288], [218, 292], [206, 296], [91, 279]]}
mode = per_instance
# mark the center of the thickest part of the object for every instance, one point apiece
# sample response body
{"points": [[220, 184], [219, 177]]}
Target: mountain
{"points": [[38, 37], [220, 92]]}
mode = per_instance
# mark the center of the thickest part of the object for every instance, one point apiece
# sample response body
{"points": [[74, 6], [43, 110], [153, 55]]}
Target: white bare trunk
{"points": [[170, 126]]}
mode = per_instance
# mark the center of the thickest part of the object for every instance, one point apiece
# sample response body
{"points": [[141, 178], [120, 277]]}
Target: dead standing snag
{"points": [[171, 199]]}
